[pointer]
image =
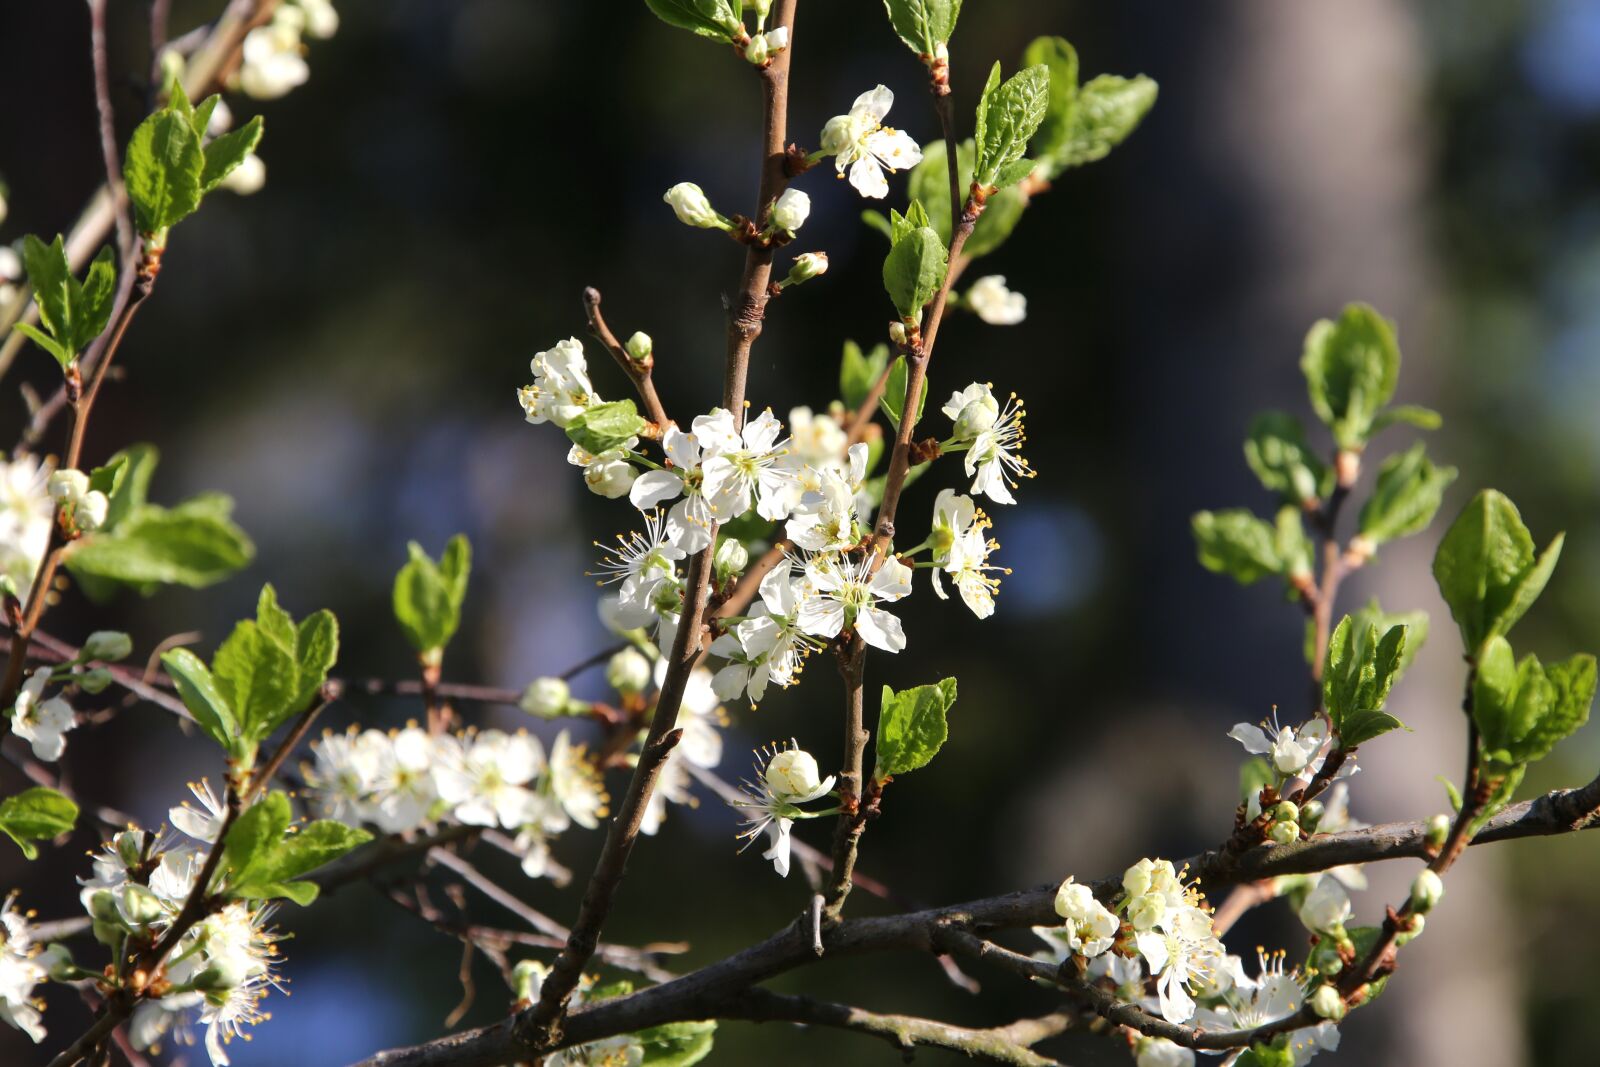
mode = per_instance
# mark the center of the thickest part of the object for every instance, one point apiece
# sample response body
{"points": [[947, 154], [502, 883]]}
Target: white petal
{"points": [[880, 629], [867, 176], [1251, 737], [653, 487]]}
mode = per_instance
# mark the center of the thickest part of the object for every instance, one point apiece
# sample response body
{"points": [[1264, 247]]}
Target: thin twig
{"points": [[637, 370]]}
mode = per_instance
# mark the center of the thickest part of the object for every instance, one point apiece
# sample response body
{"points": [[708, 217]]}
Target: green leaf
{"points": [[605, 426], [1373, 619], [912, 727], [914, 270], [200, 694], [1410, 414], [428, 595], [1060, 116], [915, 218], [1008, 115], [194, 544], [1574, 684], [930, 185], [1357, 676], [316, 651], [1408, 494], [1237, 543], [36, 814], [677, 1044], [924, 25], [58, 351], [1351, 367], [1107, 110], [131, 489], [859, 372], [91, 302], [226, 152], [258, 678], [1486, 568], [265, 861], [162, 170], [1278, 453], [894, 392], [51, 280], [708, 18], [876, 221], [1522, 710]]}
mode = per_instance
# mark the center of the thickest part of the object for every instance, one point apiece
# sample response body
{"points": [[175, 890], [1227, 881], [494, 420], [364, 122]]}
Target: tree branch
{"points": [[638, 371]]}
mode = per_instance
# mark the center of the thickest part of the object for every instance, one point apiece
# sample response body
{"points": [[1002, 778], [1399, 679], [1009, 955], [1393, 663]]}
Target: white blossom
{"points": [[20, 973], [1291, 751], [1326, 907], [645, 563], [1271, 995], [842, 593], [205, 822], [969, 567], [42, 723], [575, 783], [272, 57], [1159, 1052], [485, 779], [866, 147], [27, 515], [772, 802], [689, 522], [404, 790], [996, 434], [1090, 928], [560, 389], [342, 774], [742, 467], [994, 303]]}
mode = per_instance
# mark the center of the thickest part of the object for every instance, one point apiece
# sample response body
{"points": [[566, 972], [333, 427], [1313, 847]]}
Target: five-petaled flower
{"points": [[861, 143]]}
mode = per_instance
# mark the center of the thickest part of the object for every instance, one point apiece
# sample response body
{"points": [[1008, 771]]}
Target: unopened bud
{"points": [[1405, 937], [977, 417], [793, 773], [68, 486], [689, 203], [527, 978], [546, 698], [805, 267], [1327, 1003], [897, 332], [640, 346], [791, 210], [57, 962], [103, 908], [628, 672], [1284, 833], [1286, 811], [138, 905], [1310, 815], [91, 512], [731, 558], [1438, 830], [95, 681], [108, 646], [756, 52], [1426, 891]]}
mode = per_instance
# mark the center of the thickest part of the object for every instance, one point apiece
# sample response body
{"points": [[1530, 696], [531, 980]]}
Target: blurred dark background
{"points": [[340, 353]]}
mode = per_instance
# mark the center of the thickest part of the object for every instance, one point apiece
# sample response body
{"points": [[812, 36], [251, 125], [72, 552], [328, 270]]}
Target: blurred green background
{"points": [[340, 353]]}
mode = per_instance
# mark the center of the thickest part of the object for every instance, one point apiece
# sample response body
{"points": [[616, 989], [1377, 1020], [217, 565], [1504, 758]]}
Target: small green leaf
{"points": [[1277, 452], [1574, 684], [1410, 414], [914, 270], [1362, 726], [1060, 116], [677, 1044], [1486, 568], [1408, 494], [200, 694], [428, 595], [162, 170], [930, 185], [912, 727], [924, 25], [131, 489], [1008, 115], [224, 154], [316, 651], [258, 678], [1351, 367], [36, 814], [61, 354], [708, 18], [91, 302], [265, 861], [1238, 544], [1522, 710], [894, 392], [1357, 676], [51, 279], [194, 544], [1107, 110], [1373, 619], [604, 427], [859, 372]]}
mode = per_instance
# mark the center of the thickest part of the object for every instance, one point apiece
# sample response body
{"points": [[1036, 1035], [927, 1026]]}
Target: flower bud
{"points": [[978, 416], [628, 672], [689, 203], [805, 267], [756, 52], [108, 646], [130, 847], [57, 962], [1284, 833], [138, 905], [793, 773], [1326, 907], [248, 178], [1438, 830], [836, 135], [1159, 1052], [1310, 815], [1074, 901], [94, 681], [761, 7], [791, 210], [897, 332], [546, 698], [1286, 811], [1327, 1003], [731, 558], [610, 475], [103, 908], [527, 978], [1405, 937], [640, 346], [1426, 891], [1146, 911], [68, 486], [1136, 880], [90, 514]]}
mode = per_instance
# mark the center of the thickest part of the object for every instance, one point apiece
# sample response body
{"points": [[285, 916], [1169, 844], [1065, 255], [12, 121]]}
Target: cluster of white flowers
{"points": [[222, 967], [403, 779], [274, 55], [1242, 1002], [26, 514], [22, 968], [560, 390], [786, 777]]}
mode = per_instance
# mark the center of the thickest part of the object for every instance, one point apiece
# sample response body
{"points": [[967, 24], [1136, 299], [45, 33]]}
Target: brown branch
{"points": [[108, 128], [637, 370], [852, 821], [689, 997]]}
